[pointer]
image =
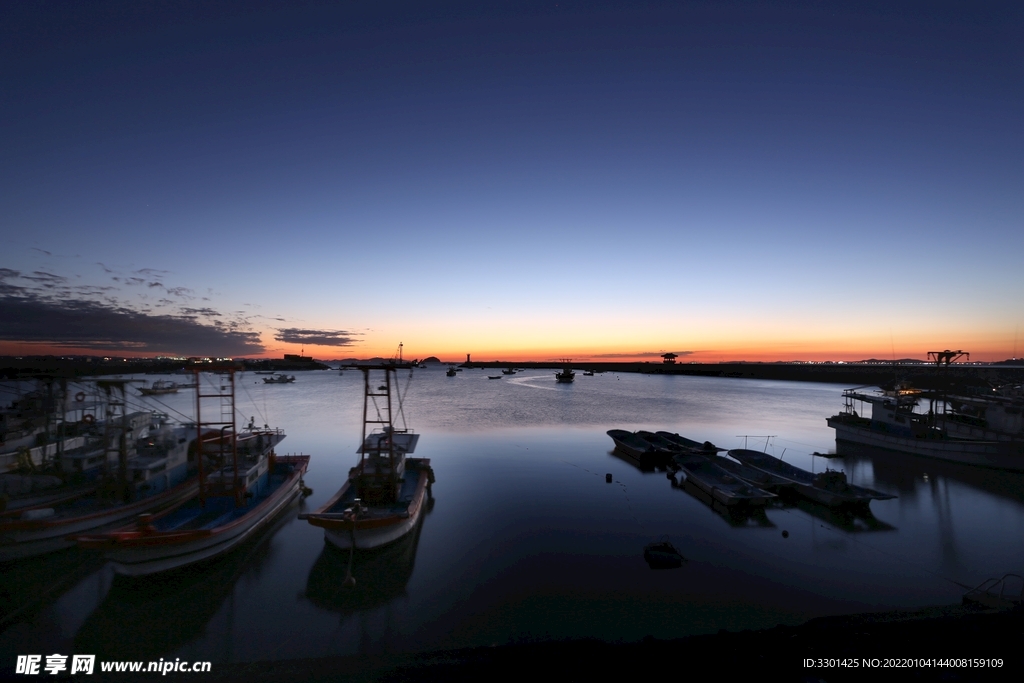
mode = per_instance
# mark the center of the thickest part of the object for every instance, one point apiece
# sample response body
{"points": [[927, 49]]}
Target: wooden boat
{"points": [[451, 371], [160, 387], [242, 486], [631, 444], [828, 488], [510, 371], [754, 477], [721, 485], [660, 443], [639, 449], [689, 445], [493, 376], [279, 379], [386, 492]]}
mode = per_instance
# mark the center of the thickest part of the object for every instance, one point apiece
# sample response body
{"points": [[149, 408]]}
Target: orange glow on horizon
{"points": [[767, 354]]}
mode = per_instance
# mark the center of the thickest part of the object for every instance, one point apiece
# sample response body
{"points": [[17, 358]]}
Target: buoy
{"points": [[350, 581], [80, 396], [608, 477], [785, 534], [88, 419]]}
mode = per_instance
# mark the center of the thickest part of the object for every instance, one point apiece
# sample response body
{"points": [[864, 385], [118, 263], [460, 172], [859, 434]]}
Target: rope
{"points": [[256, 407]]}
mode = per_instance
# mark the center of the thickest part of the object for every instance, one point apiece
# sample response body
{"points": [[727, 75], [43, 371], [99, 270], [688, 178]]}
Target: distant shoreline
{"points": [[876, 374], [921, 375]]}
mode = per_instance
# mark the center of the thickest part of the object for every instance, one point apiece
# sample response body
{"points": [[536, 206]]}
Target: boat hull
{"points": [[375, 530], [20, 539], [720, 484], [135, 553], [1005, 455], [803, 482]]}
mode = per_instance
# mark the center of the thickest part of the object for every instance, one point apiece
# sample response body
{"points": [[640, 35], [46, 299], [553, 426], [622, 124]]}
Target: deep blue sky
{"points": [[782, 178]]}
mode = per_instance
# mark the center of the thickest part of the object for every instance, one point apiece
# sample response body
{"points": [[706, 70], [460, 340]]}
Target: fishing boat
{"points": [[630, 444], [689, 445], [386, 491], [566, 375], [828, 488], [644, 452], [242, 487], [762, 480], [509, 371], [451, 371], [159, 388], [986, 431], [279, 379], [720, 484], [137, 465]]}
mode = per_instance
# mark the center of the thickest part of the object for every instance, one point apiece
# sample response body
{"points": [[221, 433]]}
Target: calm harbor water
{"points": [[525, 540]]}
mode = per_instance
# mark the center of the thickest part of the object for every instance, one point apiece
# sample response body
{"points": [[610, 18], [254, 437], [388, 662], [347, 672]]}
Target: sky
{"points": [[523, 180]]}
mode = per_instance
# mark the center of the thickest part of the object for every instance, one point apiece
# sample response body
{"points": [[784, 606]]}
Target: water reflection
{"points": [[850, 519], [380, 574], [738, 517], [906, 472], [27, 585], [151, 617]]}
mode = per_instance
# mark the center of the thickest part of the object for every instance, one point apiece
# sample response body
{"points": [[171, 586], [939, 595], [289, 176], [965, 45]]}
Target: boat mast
{"points": [[115, 436], [222, 395], [376, 484]]}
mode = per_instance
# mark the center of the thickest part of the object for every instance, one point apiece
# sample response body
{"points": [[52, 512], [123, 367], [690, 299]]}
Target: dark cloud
{"points": [[45, 278], [152, 272], [199, 311], [93, 325], [294, 335], [41, 251], [641, 354]]}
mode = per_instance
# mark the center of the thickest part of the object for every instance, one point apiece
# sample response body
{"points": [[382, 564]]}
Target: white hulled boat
{"points": [[386, 491]]}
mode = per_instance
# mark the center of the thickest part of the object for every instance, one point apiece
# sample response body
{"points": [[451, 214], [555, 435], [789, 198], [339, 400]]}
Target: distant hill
{"points": [[430, 359]]}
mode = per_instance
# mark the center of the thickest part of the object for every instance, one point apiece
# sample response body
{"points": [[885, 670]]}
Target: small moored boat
{"points": [[689, 445], [719, 483], [828, 488], [279, 379]]}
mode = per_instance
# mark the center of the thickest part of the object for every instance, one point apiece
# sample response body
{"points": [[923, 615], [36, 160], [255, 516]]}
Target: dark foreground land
{"points": [[939, 644]]}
